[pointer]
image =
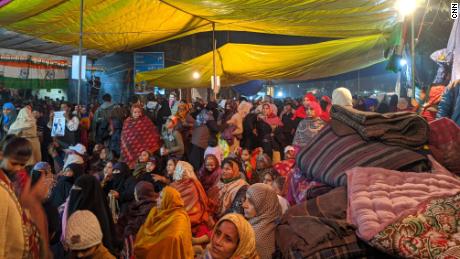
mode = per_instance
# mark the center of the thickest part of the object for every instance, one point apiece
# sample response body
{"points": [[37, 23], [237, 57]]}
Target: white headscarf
{"points": [[25, 120], [183, 170], [244, 108], [342, 96]]}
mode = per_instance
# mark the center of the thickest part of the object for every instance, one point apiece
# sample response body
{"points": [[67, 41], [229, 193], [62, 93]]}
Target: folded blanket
{"points": [[327, 156], [404, 129], [430, 232], [317, 229], [444, 143], [377, 197], [299, 189]]}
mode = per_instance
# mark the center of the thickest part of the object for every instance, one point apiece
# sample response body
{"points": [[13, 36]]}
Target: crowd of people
{"points": [[163, 178]]}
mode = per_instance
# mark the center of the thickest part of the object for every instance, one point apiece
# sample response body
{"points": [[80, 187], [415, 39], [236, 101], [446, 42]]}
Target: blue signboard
{"points": [[146, 61]]}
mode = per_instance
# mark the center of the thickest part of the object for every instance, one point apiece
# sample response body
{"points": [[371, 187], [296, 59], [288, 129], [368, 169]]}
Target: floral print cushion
{"points": [[433, 231]]}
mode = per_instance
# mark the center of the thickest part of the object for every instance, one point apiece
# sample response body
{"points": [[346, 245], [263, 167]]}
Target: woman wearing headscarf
{"points": [[163, 112], [194, 197], [210, 173], [130, 222], [267, 123], [25, 126], [235, 125], [86, 194], [64, 184], [262, 209], [232, 238], [310, 125], [166, 232], [138, 134], [223, 197], [230, 109], [7, 118], [342, 96]]}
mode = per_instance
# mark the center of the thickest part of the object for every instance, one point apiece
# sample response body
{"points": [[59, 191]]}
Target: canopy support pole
{"points": [[214, 43], [413, 55], [80, 49]]}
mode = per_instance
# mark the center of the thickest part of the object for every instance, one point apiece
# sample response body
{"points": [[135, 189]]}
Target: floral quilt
{"points": [[433, 231]]}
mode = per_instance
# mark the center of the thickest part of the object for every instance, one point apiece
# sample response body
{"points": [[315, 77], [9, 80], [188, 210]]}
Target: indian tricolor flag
{"points": [[33, 72]]}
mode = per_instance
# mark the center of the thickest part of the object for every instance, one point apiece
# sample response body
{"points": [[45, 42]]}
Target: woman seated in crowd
{"points": [[210, 173], [131, 221], [223, 196], [262, 209], [166, 232], [87, 194], [233, 237], [310, 125], [64, 184]]}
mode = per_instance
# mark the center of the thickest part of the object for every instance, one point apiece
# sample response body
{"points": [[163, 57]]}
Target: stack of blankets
{"points": [[388, 198]]}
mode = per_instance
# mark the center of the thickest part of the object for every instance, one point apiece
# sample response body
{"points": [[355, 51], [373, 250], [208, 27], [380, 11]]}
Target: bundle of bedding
{"points": [[410, 215], [405, 129], [444, 143], [328, 155], [318, 228]]}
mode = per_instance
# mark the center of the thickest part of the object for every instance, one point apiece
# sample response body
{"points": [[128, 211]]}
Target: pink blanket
{"points": [[377, 197]]}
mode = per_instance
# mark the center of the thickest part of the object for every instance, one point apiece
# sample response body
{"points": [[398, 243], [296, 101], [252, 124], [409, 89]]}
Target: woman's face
{"points": [[44, 185], [137, 113], [290, 154], [159, 200], [144, 157], [266, 110], [68, 172], [6, 111], [310, 111], [245, 156], [249, 209], [108, 168], [224, 240], [170, 167], [228, 171], [103, 154], [210, 164], [150, 167], [268, 179], [305, 102], [83, 110]]}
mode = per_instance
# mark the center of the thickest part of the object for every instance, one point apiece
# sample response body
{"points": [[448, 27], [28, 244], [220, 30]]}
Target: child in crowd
{"points": [[84, 236], [141, 163]]}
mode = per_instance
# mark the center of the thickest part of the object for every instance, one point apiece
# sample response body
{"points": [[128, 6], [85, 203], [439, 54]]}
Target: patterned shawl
{"points": [[138, 135], [268, 209], [192, 193], [226, 194]]}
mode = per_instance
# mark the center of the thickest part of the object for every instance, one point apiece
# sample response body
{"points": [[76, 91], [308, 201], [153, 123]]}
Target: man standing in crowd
{"points": [[101, 122]]}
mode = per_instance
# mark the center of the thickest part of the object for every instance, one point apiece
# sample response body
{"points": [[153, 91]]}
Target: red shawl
{"points": [[137, 136], [195, 200]]}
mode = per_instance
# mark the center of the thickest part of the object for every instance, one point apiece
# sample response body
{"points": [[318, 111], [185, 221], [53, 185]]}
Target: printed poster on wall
{"points": [[58, 129]]}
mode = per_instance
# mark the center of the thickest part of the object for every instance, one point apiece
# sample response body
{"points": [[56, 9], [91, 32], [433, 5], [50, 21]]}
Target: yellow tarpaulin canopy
{"points": [[238, 63], [118, 25]]}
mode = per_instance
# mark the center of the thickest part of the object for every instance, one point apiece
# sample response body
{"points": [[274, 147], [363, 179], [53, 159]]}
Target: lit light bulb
{"points": [[406, 7], [403, 62], [196, 75]]}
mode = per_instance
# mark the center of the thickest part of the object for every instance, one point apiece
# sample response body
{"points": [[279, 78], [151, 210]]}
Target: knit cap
{"points": [[83, 230]]}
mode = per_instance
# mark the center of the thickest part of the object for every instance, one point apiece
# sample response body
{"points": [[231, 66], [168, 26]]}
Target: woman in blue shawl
{"points": [[7, 118]]}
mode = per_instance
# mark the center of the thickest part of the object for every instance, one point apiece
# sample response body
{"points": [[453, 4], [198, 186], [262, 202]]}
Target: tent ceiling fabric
{"points": [[238, 63], [122, 25], [18, 41]]}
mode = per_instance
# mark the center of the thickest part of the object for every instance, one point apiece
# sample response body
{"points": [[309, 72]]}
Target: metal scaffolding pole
{"points": [[80, 49]]}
